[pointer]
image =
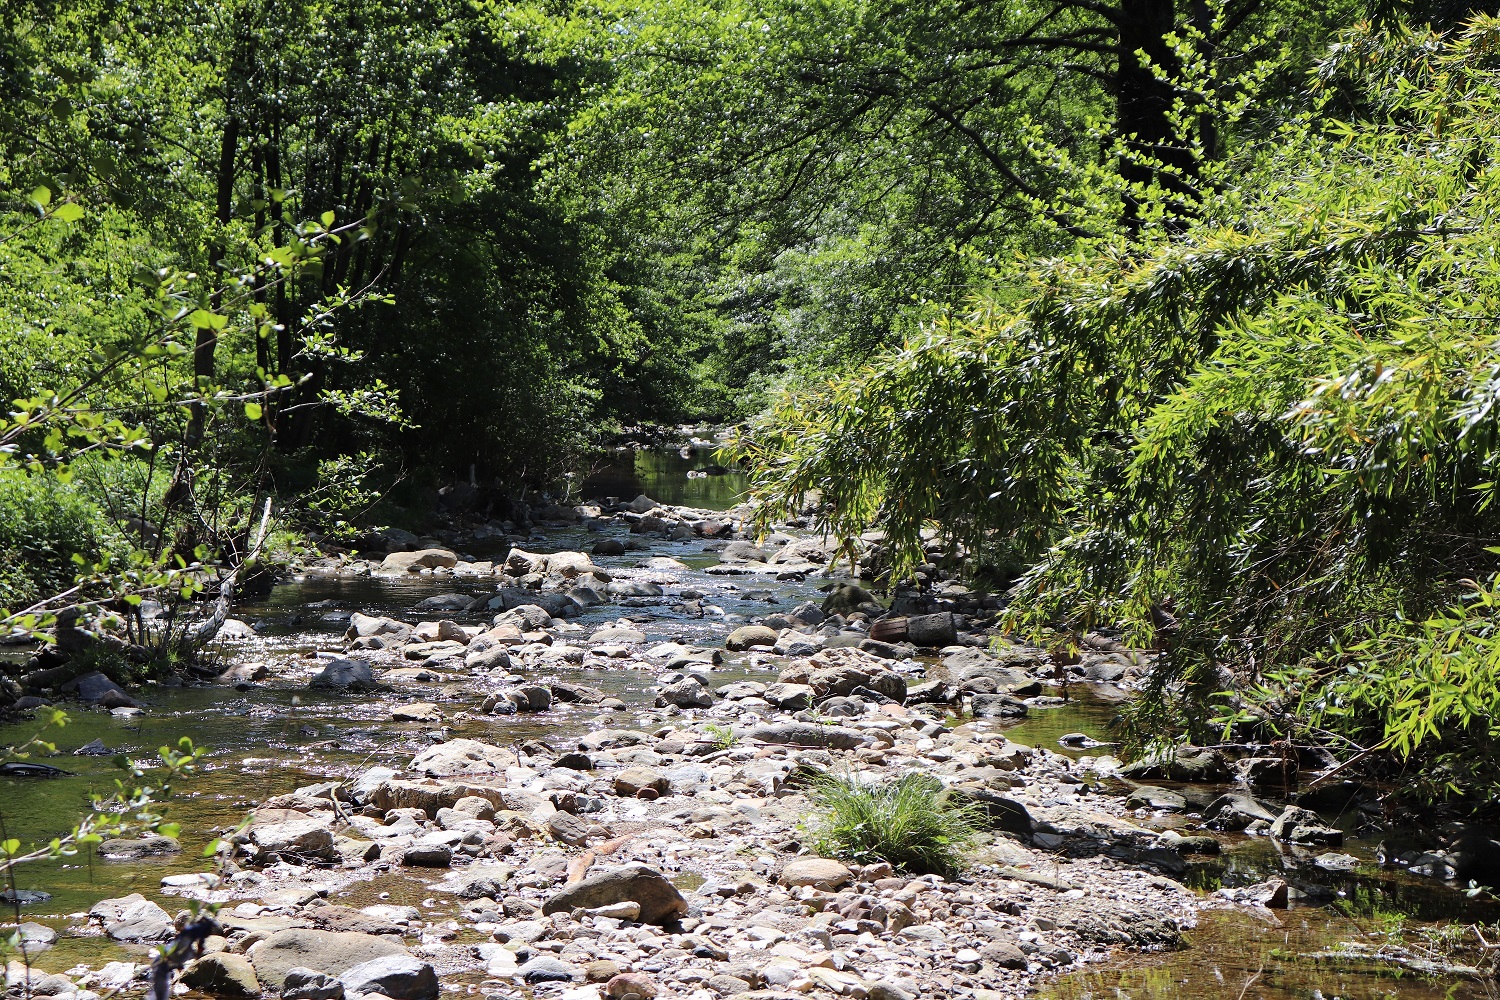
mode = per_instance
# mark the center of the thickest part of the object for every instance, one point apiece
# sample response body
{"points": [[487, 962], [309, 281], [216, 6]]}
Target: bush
{"points": [[43, 524], [912, 823]]}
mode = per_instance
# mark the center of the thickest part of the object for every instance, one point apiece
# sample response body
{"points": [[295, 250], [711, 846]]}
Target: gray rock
{"points": [[659, 899], [1185, 763], [789, 697], [305, 984], [329, 952], [222, 974], [1235, 811], [746, 636], [307, 838], [742, 551], [345, 675], [427, 856], [1303, 826], [443, 602], [546, 970], [633, 588], [807, 613], [807, 734], [568, 828], [932, 630], [462, 757], [133, 918], [98, 689], [488, 657], [999, 706], [411, 562], [687, 693], [1152, 797], [150, 846], [846, 597], [400, 977]]}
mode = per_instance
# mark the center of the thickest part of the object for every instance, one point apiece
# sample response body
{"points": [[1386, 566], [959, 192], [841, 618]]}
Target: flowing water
{"points": [[275, 737]]}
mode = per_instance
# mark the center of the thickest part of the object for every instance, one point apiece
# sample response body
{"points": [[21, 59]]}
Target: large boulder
{"points": [[570, 565], [400, 977], [329, 952], [659, 900], [807, 734], [567, 565], [1303, 826], [302, 838], [739, 552], [365, 626], [429, 796], [820, 873], [555, 604], [345, 674], [746, 636], [462, 757], [444, 602], [686, 693], [1235, 811], [133, 918], [149, 846], [97, 689], [222, 974], [411, 562], [844, 598], [1184, 763], [932, 630]]}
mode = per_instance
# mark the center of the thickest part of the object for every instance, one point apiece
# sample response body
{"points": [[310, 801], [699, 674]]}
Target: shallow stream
{"points": [[273, 738]]}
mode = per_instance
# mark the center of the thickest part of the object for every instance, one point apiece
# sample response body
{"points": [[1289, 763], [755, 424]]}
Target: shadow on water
{"points": [[663, 476], [1285, 955]]}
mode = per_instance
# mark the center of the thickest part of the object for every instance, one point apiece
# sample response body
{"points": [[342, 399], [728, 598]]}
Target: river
{"points": [[275, 737]]}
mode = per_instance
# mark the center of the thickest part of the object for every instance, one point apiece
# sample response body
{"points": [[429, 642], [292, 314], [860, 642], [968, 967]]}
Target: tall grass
{"points": [[912, 823]]}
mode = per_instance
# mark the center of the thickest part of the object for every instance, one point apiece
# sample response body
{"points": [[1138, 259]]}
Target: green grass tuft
{"points": [[912, 823]]}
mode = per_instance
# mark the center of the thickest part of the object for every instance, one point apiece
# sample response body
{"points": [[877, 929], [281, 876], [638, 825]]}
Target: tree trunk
{"points": [[1143, 102]]}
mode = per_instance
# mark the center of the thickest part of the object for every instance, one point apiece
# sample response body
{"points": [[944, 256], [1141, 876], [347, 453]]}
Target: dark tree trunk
{"points": [[1143, 101]]}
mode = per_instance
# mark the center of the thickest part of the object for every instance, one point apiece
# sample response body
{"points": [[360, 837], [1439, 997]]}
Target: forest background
{"points": [[1176, 317]]}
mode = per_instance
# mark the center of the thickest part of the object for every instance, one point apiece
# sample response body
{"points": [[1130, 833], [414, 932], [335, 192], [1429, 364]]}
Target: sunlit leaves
{"points": [[1265, 435]]}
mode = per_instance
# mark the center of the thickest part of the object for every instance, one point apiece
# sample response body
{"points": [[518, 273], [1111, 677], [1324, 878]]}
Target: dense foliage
{"points": [[1265, 442]]}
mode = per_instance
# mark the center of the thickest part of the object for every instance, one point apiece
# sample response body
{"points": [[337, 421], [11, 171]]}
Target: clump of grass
{"points": [[912, 823], [722, 736]]}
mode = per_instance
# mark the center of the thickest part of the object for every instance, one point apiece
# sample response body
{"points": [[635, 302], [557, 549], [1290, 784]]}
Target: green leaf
{"points": [[205, 320], [41, 197], [327, 219], [252, 411], [69, 212]]}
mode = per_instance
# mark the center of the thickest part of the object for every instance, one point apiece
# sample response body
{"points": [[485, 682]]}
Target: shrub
{"points": [[912, 823], [43, 524]]}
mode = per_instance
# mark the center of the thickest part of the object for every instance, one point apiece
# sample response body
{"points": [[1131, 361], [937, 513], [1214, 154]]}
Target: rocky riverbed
{"points": [[593, 775]]}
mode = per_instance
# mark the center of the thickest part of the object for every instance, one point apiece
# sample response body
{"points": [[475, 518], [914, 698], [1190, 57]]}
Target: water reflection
{"points": [[663, 476]]}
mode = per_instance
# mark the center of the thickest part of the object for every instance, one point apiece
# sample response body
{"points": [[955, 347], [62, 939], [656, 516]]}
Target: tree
{"points": [[1266, 444]]}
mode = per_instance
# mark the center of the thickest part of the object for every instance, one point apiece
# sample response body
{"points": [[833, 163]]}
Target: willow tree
{"points": [[1255, 444]]}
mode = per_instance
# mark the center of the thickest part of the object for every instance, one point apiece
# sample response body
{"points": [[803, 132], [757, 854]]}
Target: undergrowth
{"points": [[912, 823]]}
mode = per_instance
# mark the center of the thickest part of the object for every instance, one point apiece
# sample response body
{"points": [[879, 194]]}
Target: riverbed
{"points": [[277, 736]]}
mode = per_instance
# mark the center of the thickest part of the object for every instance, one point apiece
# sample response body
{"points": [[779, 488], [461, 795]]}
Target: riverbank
{"points": [[430, 756]]}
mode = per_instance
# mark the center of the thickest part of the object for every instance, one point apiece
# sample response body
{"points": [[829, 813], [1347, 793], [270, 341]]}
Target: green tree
{"points": [[1256, 443]]}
